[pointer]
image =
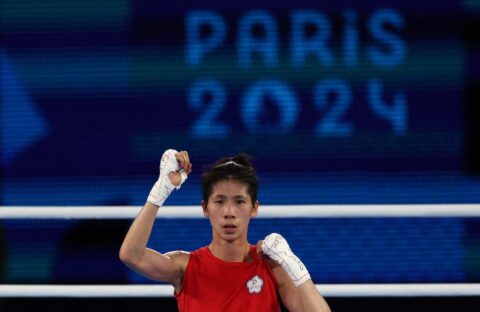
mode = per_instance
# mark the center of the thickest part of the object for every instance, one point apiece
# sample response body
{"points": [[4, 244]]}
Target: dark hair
{"points": [[238, 168]]}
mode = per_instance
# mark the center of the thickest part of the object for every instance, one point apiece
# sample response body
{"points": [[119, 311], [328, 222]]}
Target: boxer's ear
{"points": [[254, 209], [204, 207]]}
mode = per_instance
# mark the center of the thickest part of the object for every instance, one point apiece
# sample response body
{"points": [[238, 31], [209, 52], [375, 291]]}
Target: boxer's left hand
{"points": [[276, 247]]}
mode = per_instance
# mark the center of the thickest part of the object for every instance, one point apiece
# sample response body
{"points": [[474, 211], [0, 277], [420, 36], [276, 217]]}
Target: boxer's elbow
{"points": [[128, 255]]}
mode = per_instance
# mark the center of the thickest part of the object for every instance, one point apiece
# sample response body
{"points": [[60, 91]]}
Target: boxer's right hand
{"points": [[179, 176], [174, 168]]}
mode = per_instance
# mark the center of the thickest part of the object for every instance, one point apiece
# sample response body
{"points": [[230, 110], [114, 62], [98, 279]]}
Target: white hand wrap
{"points": [[164, 187], [276, 247]]}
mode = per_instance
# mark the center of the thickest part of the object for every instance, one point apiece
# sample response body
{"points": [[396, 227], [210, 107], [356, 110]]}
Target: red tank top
{"points": [[211, 284]]}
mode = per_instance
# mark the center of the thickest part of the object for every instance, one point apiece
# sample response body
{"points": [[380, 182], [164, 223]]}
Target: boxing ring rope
{"points": [[328, 290], [267, 211], [304, 211]]}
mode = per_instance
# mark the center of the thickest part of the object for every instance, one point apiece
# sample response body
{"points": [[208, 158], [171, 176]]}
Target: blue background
{"points": [[92, 93]]}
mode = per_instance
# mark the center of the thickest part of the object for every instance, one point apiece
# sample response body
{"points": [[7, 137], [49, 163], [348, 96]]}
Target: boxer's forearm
{"points": [[311, 299]]}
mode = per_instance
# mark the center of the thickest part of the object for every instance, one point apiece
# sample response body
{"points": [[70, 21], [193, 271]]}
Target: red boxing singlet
{"points": [[211, 284]]}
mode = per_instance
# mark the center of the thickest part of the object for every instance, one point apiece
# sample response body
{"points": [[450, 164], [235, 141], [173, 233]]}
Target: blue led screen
{"points": [[345, 102]]}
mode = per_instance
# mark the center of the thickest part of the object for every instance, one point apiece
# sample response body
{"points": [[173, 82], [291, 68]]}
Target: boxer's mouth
{"points": [[230, 228]]}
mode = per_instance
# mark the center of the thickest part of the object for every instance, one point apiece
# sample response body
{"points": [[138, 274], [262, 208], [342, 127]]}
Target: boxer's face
{"points": [[229, 209]]}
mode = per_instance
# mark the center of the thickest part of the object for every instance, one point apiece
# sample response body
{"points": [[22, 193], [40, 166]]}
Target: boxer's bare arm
{"points": [[168, 267]]}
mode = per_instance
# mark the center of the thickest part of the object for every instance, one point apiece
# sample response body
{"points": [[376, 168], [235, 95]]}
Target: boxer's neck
{"points": [[236, 251]]}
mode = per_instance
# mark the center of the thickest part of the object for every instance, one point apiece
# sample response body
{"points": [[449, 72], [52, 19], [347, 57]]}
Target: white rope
{"points": [[286, 211], [337, 290]]}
